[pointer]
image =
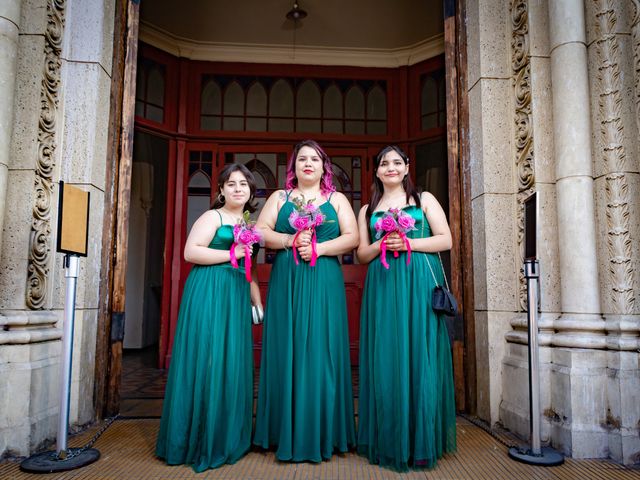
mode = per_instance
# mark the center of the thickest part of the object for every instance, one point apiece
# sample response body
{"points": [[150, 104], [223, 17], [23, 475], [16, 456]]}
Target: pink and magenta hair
{"points": [[326, 182]]}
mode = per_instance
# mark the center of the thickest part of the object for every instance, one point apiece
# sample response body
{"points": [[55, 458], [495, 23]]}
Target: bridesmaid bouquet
{"points": [[398, 221], [306, 215], [244, 233]]}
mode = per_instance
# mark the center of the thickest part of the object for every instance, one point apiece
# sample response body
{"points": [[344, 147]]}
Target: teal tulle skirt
{"points": [[207, 411], [406, 415], [305, 399]]}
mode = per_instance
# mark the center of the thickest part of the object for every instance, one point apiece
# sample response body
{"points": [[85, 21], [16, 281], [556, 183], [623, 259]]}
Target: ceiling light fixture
{"points": [[296, 13]]}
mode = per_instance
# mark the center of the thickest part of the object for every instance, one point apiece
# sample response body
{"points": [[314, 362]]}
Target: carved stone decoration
{"points": [[614, 157], [40, 238], [635, 35], [521, 70]]}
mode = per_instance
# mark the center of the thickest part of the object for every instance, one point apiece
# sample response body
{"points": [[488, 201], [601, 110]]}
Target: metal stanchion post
{"points": [[536, 455], [64, 458], [71, 274]]}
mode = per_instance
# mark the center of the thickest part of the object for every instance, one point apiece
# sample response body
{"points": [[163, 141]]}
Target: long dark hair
{"points": [[223, 177], [326, 182], [377, 188]]}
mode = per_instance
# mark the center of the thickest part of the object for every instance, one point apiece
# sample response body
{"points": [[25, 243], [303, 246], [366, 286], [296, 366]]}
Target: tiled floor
{"points": [[143, 384], [127, 449], [127, 453]]}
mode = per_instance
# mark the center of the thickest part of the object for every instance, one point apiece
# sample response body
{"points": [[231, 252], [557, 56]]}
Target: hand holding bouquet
{"points": [[244, 233], [397, 221], [305, 216]]}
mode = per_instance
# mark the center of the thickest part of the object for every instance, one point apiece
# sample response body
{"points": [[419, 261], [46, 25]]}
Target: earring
{"points": [[221, 198]]}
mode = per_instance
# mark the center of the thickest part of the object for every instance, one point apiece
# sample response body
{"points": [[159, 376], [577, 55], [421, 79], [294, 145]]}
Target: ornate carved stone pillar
{"points": [[615, 52], [40, 242], [9, 25]]}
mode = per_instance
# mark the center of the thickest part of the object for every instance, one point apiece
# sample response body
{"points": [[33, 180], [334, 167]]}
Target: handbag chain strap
{"points": [[439, 258]]}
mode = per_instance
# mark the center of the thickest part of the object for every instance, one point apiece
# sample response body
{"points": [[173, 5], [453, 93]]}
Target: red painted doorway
{"points": [[198, 164]]}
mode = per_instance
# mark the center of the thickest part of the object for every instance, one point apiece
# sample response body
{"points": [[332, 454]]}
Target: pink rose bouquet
{"points": [[244, 233], [306, 215], [394, 220]]}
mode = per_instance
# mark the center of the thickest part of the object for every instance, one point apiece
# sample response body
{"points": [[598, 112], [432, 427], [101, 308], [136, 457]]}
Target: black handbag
{"points": [[442, 300]]}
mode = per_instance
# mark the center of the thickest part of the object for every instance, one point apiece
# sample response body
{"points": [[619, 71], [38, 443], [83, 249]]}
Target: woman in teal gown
{"points": [[305, 400], [406, 415], [207, 410]]}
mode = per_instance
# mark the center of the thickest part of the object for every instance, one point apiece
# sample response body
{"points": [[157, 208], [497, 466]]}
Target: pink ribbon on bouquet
{"points": [[383, 249], [314, 252], [247, 260]]}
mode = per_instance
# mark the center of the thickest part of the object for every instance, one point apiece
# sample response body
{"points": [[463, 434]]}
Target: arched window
{"points": [[332, 110], [199, 186], [276, 104], [257, 108], [281, 107], [233, 107], [376, 111], [308, 107], [347, 171], [150, 90], [433, 100], [211, 106], [354, 111]]}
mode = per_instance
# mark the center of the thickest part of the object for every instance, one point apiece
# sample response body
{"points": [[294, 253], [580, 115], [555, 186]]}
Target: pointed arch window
{"points": [[150, 90], [257, 108], [333, 114], [433, 100], [199, 186], [354, 111], [308, 108], [211, 106], [233, 107], [276, 104], [281, 107], [376, 111]]}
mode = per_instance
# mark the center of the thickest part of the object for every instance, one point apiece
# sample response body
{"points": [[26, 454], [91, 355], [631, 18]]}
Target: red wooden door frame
{"points": [[175, 275]]}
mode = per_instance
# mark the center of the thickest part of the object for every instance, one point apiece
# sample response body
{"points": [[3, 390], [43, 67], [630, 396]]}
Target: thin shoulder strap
{"points": [[424, 219], [330, 195], [220, 215], [288, 192]]}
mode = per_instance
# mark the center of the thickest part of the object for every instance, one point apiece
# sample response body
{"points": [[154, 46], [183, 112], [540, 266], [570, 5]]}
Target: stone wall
{"points": [[493, 192], [565, 124], [60, 116], [614, 67]]}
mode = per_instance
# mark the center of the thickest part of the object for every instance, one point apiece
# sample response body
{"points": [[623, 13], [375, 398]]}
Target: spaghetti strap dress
{"points": [[305, 398], [406, 414], [207, 411]]}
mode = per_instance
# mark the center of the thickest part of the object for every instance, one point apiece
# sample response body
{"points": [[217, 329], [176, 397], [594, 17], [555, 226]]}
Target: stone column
{"points": [[574, 176], [578, 373], [613, 37], [9, 25]]}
